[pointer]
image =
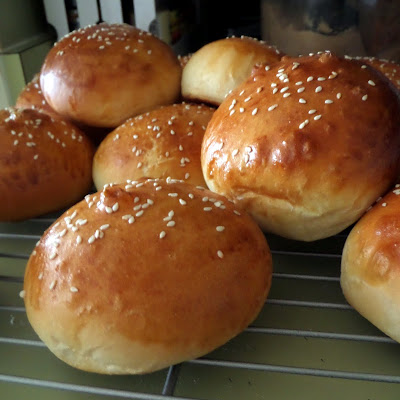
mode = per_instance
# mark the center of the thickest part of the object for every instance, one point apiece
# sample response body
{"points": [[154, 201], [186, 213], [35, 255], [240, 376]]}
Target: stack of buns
{"points": [[202, 156]]}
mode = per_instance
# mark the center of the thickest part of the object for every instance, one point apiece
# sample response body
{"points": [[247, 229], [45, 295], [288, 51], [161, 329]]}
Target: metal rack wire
{"points": [[307, 342]]}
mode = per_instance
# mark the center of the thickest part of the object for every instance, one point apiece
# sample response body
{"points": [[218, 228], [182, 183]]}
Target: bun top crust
{"points": [[144, 275], [32, 97], [162, 143], [371, 252], [220, 66], [370, 270], [45, 163], [103, 74], [305, 145], [388, 68]]}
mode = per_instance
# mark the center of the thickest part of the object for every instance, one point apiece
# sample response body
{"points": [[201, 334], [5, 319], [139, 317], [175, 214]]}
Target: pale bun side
{"points": [[45, 164], [306, 145], [103, 74], [165, 142], [370, 271], [220, 66], [144, 275]]}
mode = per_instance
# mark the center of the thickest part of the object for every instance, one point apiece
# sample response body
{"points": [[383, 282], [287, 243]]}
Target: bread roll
{"points": [[220, 66], [370, 275], [45, 164], [389, 68], [32, 97], [103, 74], [162, 143], [305, 146], [144, 275]]}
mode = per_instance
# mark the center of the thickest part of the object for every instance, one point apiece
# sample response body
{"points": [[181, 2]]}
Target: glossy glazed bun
{"points": [[220, 66], [162, 143], [32, 97], [370, 276], [306, 145], [388, 68], [144, 275], [45, 164], [103, 74]]}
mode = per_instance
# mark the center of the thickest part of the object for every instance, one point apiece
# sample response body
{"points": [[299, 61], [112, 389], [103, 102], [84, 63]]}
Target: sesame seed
{"points": [[171, 224], [115, 207], [321, 78], [328, 101], [207, 208], [247, 99], [301, 90], [131, 220], [310, 78], [302, 101], [52, 285], [237, 212], [136, 199], [40, 277], [281, 70], [78, 239], [73, 289], [372, 83], [303, 124], [104, 227], [232, 112], [173, 194], [187, 175], [284, 89], [267, 67], [139, 165], [254, 112], [220, 254], [235, 152], [338, 95], [108, 210], [272, 107], [317, 117], [220, 228], [286, 94], [298, 83], [365, 97], [275, 91], [273, 84], [318, 89], [241, 109], [22, 294], [139, 213], [312, 111], [384, 204], [162, 234], [91, 239], [183, 202]]}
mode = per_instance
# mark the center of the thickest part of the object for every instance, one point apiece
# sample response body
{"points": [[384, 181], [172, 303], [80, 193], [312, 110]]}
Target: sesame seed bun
{"points": [[45, 164], [162, 143], [388, 68], [32, 97], [370, 274], [103, 74], [220, 66], [144, 275], [306, 145]]}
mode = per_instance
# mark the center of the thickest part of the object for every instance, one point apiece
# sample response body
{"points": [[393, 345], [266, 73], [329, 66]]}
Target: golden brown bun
{"points": [[103, 74], [45, 164], [162, 143], [305, 157], [370, 276], [389, 68], [32, 97], [108, 293], [220, 66]]}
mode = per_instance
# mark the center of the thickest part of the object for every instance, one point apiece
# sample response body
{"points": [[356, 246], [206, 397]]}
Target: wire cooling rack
{"points": [[307, 342]]}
